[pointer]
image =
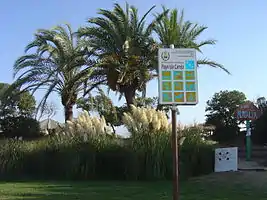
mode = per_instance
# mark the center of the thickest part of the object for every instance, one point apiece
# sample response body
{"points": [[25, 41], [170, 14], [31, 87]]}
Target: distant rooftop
{"points": [[49, 124]]}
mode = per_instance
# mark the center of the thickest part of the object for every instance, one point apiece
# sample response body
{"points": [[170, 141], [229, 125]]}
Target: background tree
{"points": [[141, 101], [259, 129], [15, 103], [59, 64], [173, 29], [49, 110], [221, 113], [153, 102], [123, 44], [103, 105], [16, 113]]}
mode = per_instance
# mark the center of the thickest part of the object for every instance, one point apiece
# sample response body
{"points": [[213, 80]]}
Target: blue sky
{"points": [[239, 26]]}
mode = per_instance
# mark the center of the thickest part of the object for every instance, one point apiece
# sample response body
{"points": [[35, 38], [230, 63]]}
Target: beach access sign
{"points": [[247, 111], [178, 83]]}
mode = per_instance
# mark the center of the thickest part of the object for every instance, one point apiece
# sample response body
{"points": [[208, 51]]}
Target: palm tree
{"points": [[124, 47], [58, 64], [173, 29]]}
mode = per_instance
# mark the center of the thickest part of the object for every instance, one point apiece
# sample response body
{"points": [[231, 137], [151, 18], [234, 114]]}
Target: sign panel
{"points": [[177, 76], [247, 111]]}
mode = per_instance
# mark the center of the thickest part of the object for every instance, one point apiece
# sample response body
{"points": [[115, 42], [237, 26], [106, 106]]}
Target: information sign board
{"points": [[178, 83]]}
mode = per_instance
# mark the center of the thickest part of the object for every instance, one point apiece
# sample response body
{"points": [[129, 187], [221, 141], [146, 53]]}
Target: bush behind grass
{"points": [[101, 158]]}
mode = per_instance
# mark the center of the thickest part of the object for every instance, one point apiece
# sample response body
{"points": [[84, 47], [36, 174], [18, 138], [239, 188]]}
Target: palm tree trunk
{"points": [[68, 112], [113, 128], [129, 95]]}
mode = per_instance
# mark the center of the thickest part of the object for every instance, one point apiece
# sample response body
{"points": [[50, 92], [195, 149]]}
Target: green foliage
{"points": [[116, 49], [173, 29], [26, 104], [16, 111], [15, 103], [193, 135], [152, 102], [102, 157], [199, 155], [126, 51], [20, 126], [104, 106], [59, 64], [259, 130], [146, 101], [221, 113]]}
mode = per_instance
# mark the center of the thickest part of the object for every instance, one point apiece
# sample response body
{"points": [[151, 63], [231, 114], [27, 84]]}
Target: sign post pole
{"points": [[175, 154], [248, 141], [175, 150], [177, 86]]}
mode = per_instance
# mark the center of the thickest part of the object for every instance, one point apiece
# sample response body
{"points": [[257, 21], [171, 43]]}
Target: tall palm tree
{"points": [[124, 47], [173, 29], [58, 64]]}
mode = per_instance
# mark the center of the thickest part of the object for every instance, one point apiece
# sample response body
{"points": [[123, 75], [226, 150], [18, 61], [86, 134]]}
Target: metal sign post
{"points": [[248, 141], [177, 86], [175, 154], [248, 112]]}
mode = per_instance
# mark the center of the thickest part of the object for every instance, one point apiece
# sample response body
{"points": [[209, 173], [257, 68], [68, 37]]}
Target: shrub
{"points": [[150, 136], [193, 134], [259, 130], [147, 155], [225, 134], [146, 120], [20, 127], [87, 125], [197, 154], [150, 139], [196, 159]]}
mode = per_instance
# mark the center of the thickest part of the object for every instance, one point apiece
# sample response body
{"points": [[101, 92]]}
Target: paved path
{"points": [[253, 178], [250, 165]]}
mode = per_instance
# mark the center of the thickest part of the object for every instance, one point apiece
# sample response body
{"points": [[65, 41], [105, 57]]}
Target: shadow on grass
{"points": [[85, 190]]}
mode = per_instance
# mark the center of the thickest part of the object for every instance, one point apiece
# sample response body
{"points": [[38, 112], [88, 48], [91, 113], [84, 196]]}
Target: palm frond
{"points": [[60, 64], [212, 64], [145, 16], [173, 29], [42, 103], [206, 42]]}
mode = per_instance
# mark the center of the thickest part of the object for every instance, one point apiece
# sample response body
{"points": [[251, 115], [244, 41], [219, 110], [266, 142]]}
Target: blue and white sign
{"points": [[178, 83]]}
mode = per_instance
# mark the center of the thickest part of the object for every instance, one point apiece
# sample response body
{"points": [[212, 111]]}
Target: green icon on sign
{"points": [[179, 97], [166, 75], [191, 97], [178, 75], [178, 85], [190, 75], [167, 96], [190, 86], [167, 85]]}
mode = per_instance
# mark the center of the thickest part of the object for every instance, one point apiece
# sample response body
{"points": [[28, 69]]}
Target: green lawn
{"points": [[200, 189]]}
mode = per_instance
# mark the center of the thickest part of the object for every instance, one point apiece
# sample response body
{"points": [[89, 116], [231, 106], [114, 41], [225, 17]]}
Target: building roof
{"points": [[49, 124]]}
